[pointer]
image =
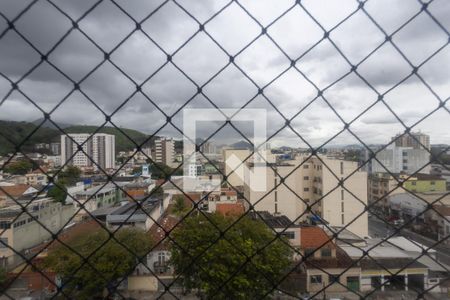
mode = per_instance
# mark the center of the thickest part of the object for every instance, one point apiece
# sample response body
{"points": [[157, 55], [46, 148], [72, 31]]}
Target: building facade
{"points": [[21, 231], [165, 151], [415, 140], [314, 182], [99, 150], [396, 159], [384, 185], [408, 153]]}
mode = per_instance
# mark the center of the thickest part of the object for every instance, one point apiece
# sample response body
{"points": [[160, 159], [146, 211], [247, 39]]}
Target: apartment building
{"points": [[235, 172], [415, 140], [99, 151], [96, 197], [21, 231], [408, 154], [165, 151], [55, 148], [314, 182], [383, 185]]}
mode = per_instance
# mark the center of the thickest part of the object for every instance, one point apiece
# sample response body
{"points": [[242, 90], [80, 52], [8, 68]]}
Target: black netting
{"points": [[205, 57]]}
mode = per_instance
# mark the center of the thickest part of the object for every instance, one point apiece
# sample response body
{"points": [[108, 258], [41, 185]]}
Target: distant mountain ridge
{"points": [[48, 124], [26, 135], [242, 145]]}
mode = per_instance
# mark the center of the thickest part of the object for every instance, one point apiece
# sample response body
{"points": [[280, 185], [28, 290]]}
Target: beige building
{"points": [[165, 151], [416, 140], [235, 172], [315, 183], [327, 269], [21, 231]]}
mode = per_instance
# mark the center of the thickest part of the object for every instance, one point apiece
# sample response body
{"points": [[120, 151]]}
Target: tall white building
{"points": [[165, 151], [100, 148]]}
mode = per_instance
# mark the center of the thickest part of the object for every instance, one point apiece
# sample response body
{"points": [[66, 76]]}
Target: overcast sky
{"points": [[295, 32]]}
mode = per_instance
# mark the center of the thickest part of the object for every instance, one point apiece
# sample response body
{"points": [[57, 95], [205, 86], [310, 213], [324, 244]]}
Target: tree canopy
{"points": [[109, 262], [179, 207], [58, 192], [20, 167], [69, 176], [224, 264]]}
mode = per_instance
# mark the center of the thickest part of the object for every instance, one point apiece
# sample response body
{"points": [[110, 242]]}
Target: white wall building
{"points": [[100, 148], [408, 153], [20, 231]]}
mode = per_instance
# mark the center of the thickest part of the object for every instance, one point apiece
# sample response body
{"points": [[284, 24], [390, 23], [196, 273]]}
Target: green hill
{"points": [[14, 133], [123, 142]]}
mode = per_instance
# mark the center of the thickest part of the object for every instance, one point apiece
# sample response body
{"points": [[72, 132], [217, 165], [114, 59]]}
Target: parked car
{"points": [[399, 222]]}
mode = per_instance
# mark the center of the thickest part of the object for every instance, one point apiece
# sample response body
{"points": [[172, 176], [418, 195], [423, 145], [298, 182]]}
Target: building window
{"points": [[306, 189], [289, 234], [405, 161], [3, 243], [342, 194], [5, 225], [342, 207], [309, 251], [333, 278], [342, 219], [306, 178], [305, 166], [325, 252], [405, 153], [161, 258], [315, 279]]}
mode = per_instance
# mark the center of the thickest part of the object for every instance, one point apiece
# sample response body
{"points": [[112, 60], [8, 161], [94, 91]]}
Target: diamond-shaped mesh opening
{"points": [[224, 150]]}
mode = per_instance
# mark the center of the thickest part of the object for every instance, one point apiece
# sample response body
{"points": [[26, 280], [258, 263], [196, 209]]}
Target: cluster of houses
{"points": [[333, 253]]}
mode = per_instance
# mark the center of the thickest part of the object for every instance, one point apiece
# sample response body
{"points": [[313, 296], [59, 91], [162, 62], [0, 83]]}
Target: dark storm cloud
{"points": [[200, 59]]}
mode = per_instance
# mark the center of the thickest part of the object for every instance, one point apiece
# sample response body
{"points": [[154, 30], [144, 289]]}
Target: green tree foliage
{"points": [[20, 167], [70, 175], [58, 192], [160, 171], [3, 276], [222, 261], [112, 260], [123, 142], [352, 155], [179, 207], [13, 133]]}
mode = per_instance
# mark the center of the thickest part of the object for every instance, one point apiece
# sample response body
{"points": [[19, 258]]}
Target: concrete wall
{"points": [[336, 287], [142, 283]]}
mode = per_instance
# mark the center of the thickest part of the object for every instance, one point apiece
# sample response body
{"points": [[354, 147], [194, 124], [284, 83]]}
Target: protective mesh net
{"points": [[230, 62]]}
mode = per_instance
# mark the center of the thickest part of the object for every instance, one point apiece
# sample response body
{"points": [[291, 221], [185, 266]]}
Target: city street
{"points": [[378, 228]]}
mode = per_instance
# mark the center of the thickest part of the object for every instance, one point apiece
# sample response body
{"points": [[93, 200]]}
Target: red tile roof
{"points": [[314, 237], [158, 233], [14, 190], [226, 209]]}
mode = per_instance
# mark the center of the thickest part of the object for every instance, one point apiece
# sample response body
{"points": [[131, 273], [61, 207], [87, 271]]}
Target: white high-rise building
{"points": [[98, 152], [165, 151]]}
